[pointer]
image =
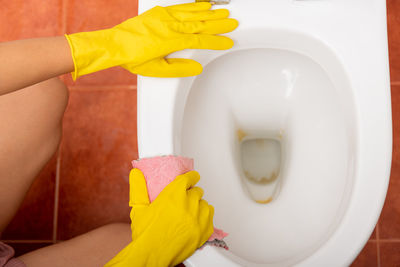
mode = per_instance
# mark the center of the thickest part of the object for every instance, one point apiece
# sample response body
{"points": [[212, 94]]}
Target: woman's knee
{"points": [[33, 117], [54, 95]]}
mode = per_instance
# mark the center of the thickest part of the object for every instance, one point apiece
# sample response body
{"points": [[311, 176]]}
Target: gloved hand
{"points": [[140, 44], [168, 230]]}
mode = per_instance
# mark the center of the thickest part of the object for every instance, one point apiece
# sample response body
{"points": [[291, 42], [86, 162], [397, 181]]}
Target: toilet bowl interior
{"points": [[289, 99]]}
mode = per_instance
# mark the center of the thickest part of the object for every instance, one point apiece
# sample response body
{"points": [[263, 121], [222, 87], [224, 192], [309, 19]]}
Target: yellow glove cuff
{"points": [[74, 73]]}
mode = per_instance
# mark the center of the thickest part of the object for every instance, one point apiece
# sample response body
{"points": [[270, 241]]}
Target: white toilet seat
{"points": [[307, 28]]}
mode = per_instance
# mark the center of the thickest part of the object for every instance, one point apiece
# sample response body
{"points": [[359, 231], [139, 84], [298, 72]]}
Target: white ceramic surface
{"points": [[311, 74]]}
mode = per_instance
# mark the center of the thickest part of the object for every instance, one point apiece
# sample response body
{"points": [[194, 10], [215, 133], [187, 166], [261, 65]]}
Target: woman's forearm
{"points": [[27, 62]]}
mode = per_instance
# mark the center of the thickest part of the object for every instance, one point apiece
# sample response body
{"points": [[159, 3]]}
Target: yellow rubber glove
{"points": [[140, 44], [168, 230]]}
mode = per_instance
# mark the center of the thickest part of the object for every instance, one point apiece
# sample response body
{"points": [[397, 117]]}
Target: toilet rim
{"points": [[374, 135]]}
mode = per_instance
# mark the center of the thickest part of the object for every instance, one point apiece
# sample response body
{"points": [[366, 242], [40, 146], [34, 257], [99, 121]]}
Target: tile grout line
{"points": [[393, 240], [56, 196], [378, 250]]}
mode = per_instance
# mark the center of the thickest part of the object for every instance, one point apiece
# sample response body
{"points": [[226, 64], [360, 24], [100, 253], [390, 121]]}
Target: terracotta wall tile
{"points": [[89, 15], [21, 19], [367, 257], [390, 216], [393, 11], [98, 145], [34, 219], [390, 254]]}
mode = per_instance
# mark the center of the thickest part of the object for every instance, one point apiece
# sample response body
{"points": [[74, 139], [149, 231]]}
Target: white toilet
{"points": [[290, 130]]}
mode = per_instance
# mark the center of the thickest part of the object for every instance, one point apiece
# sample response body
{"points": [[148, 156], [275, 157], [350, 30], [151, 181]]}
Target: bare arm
{"points": [[27, 62]]}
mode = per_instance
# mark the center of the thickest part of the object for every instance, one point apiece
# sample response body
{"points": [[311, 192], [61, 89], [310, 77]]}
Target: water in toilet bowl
{"points": [[261, 163]]}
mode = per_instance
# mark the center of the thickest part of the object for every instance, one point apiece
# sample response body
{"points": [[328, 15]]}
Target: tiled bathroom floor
{"points": [[85, 184]]}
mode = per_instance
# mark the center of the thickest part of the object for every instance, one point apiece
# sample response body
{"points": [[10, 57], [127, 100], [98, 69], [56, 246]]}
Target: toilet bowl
{"points": [[290, 130]]}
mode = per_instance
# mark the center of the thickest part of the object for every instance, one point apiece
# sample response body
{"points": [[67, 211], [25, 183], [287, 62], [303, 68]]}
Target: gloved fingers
{"points": [[138, 188], [181, 67], [135, 228], [178, 187], [200, 15], [200, 6], [206, 217], [187, 180], [205, 210], [195, 193], [167, 68], [206, 27], [194, 196], [210, 228], [206, 41]]}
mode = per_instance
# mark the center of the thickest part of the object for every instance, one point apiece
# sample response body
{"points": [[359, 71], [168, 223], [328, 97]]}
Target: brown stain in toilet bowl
{"points": [[266, 201], [241, 134], [262, 180]]}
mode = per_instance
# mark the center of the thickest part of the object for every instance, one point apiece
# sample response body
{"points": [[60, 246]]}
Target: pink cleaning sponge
{"points": [[160, 171]]}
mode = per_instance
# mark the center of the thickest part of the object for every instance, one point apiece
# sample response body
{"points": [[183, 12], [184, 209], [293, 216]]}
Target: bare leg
{"points": [[94, 248], [30, 123]]}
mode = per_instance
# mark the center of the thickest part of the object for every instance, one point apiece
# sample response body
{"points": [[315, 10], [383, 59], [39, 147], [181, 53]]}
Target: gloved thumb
{"points": [[138, 189], [167, 68]]}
